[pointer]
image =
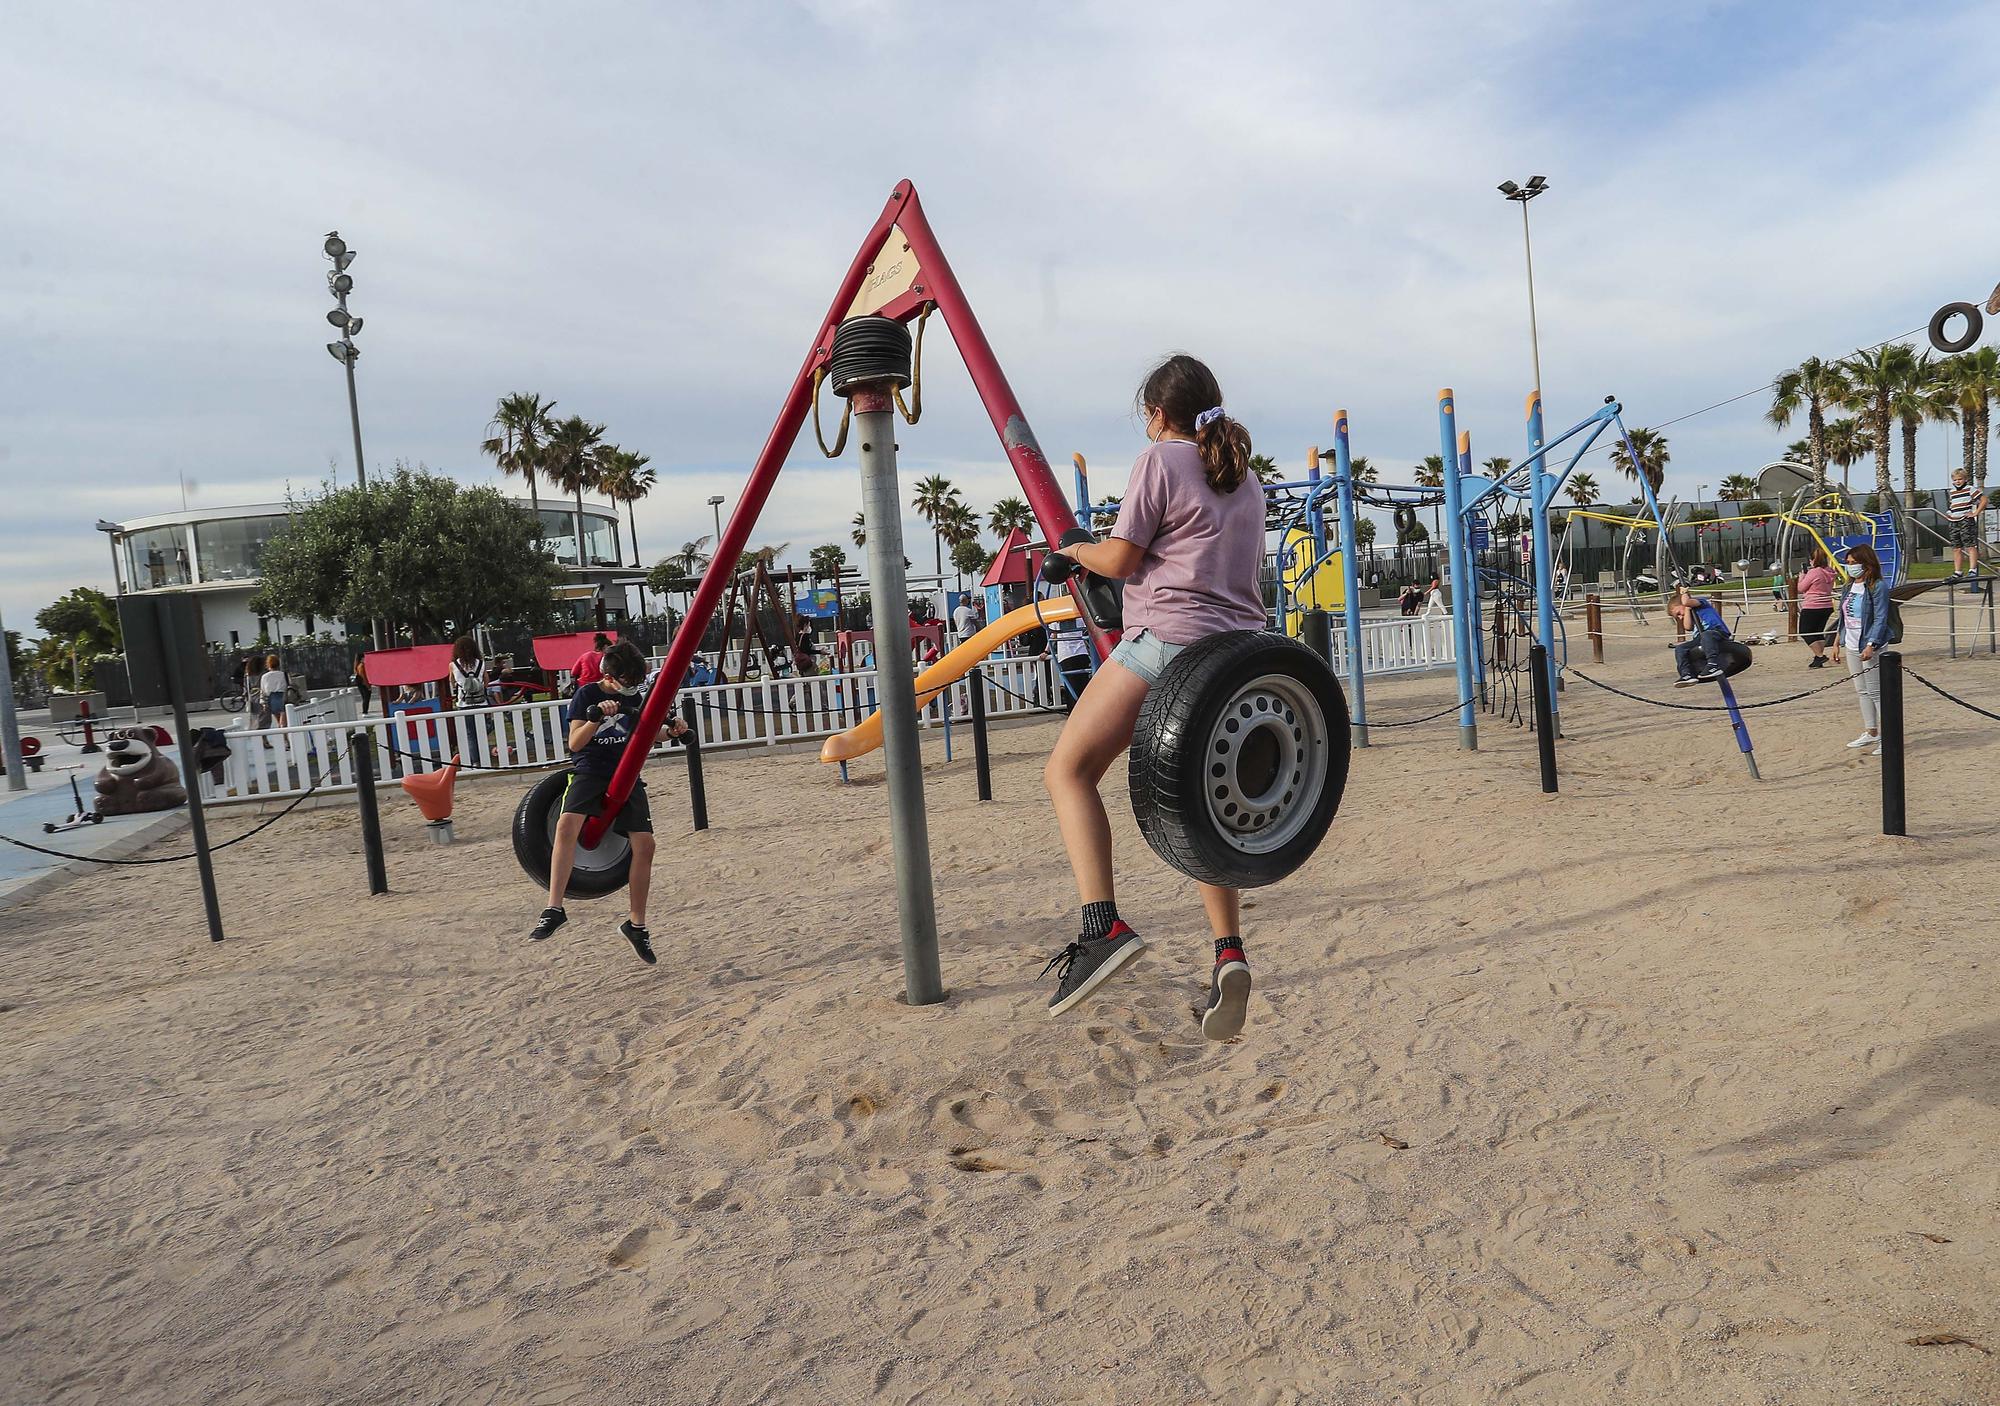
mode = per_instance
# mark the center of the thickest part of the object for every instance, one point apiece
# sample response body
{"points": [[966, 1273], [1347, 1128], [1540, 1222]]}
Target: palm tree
{"points": [[1873, 378], [1651, 447], [1361, 470], [1430, 474], [767, 557], [1010, 515], [1975, 382], [1497, 465], [569, 464], [860, 530], [1737, 488], [1814, 385], [1582, 490], [623, 477], [1265, 468], [519, 426], [1846, 441], [1914, 400], [933, 497], [960, 527], [827, 561]]}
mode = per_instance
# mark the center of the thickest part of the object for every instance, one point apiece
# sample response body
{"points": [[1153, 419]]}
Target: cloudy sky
{"points": [[641, 210]]}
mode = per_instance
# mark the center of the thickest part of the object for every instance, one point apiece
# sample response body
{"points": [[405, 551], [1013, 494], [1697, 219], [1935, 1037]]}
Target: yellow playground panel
{"points": [[1312, 581]]}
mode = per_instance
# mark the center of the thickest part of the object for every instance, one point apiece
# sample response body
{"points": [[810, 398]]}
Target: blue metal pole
{"points": [[1082, 495], [1315, 515], [1461, 571], [1742, 732], [1541, 488], [1343, 478], [1463, 462]]}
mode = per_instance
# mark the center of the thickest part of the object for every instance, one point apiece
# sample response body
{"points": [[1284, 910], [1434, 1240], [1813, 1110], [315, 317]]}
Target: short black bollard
{"points": [[1890, 665], [1316, 633], [982, 769], [361, 750], [1545, 723], [697, 792]]}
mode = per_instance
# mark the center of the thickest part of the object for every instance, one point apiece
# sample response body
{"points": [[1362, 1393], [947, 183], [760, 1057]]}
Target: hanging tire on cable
{"points": [[1406, 521], [1239, 758], [596, 871]]}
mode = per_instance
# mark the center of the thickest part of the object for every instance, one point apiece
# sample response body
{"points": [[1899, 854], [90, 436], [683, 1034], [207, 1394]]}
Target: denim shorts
{"points": [[1146, 654]]}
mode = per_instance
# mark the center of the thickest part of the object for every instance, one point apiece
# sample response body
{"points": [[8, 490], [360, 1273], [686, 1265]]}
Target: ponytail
{"points": [[1225, 453]]}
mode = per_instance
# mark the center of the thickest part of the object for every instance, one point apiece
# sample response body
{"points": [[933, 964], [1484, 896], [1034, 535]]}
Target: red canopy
{"points": [[1010, 563], [419, 664], [562, 651]]}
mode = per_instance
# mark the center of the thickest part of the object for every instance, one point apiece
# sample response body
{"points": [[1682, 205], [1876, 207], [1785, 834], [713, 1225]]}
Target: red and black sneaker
{"points": [[1228, 995], [1087, 963]]}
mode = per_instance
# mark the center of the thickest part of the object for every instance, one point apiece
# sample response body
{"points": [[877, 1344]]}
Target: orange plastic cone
{"points": [[431, 790]]}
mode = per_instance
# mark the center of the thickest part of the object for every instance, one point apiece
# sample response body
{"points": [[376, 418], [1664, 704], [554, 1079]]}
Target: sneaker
{"points": [[641, 940], [1685, 681], [1956, 576], [1878, 750], [1866, 739], [1085, 965], [1708, 676], [1228, 996], [1819, 662], [545, 927]]}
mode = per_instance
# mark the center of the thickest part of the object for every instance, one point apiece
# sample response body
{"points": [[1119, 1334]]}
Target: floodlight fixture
{"points": [[338, 317], [1507, 188], [335, 245], [340, 284]]}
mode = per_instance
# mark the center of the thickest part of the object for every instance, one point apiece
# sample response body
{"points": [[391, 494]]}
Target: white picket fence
{"points": [[280, 762], [1399, 646]]}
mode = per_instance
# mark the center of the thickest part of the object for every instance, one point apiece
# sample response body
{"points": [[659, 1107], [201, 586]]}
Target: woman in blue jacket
{"points": [[1865, 615]]}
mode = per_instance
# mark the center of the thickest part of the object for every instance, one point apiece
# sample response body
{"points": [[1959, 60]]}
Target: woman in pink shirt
{"points": [[1816, 606], [1188, 544]]}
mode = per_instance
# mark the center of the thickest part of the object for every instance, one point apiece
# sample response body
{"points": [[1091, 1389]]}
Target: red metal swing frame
{"points": [[898, 271]]}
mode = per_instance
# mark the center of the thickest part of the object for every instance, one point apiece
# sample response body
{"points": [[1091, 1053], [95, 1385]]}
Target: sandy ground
{"points": [[1673, 1088]]}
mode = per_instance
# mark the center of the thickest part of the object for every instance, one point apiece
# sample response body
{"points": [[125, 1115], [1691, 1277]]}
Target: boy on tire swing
{"points": [[600, 719], [1188, 544]]}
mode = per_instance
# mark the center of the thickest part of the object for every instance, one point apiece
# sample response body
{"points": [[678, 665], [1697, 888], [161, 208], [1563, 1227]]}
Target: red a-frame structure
{"points": [[898, 272]]}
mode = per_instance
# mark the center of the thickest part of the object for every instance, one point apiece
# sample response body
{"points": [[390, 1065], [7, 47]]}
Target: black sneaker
{"points": [[1228, 995], [551, 919], [1685, 681], [1085, 965], [1708, 676], [641, 940]]}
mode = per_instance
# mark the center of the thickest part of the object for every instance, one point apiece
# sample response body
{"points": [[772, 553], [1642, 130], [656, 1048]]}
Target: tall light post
{"points": [[1522, 195], [715, 504], [340, 283]]}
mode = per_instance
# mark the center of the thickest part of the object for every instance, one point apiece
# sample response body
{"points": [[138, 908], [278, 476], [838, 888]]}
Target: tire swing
{"points": [[1240, 752], [1406, 521], [1950, 346], [596, 872]]}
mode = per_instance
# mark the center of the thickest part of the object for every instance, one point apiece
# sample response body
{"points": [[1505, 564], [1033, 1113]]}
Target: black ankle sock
{"points": [[1098, 918], [1223, 944]]}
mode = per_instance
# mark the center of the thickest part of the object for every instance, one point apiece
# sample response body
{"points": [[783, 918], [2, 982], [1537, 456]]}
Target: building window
{"points": [[600, 537], [157, 557], [231, 548]]}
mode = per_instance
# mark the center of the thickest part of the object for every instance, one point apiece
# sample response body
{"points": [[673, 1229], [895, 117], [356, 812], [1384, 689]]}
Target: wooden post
{"points": [[1593, 616], [1791, 618]]}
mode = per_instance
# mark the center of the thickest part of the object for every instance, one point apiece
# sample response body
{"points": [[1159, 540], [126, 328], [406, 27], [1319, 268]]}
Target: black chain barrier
{"points": [[1949, 696], [1706, 707], [1445, 711]]}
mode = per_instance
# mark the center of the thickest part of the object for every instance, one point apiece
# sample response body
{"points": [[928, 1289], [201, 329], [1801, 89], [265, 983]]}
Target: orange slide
{"points": [[866, 736]]}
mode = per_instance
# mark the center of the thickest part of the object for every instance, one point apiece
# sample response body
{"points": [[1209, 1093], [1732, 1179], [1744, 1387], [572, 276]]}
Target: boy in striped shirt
{"points": [[1961, 525]]}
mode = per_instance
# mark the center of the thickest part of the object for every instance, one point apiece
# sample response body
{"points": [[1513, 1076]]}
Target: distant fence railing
{"points": [[1399, 646]]}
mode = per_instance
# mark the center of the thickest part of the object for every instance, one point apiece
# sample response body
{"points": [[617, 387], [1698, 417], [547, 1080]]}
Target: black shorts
{"points": [[586, 790], [1962, 531], [1812, 623]]}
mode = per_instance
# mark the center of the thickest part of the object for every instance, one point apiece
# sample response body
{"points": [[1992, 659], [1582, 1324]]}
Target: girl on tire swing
{"points": [[1188, 544]]}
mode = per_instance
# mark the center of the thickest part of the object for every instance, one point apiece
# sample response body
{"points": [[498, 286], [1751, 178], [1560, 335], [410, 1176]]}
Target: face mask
{"points": [[611, 685]]}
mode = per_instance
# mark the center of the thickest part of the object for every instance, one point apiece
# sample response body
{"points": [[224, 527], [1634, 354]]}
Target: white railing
{"points": [[279, 762], [1398, 646]]}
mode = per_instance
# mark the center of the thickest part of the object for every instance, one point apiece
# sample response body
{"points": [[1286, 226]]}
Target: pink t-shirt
{"points": [[1816, 588], [1203, 548]]}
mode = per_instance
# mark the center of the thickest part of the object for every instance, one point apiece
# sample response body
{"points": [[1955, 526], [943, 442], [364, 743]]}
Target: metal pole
{"points": [[1534, 332], [170, 647], [1890, 663], [1545, 723], [1316, 633], [1350, 570], [354, 415], [1464, 630], [1475, 602], [361, 747], [882, 511], [982, 767], [10, 725], [697, 788], [1541, 488]]}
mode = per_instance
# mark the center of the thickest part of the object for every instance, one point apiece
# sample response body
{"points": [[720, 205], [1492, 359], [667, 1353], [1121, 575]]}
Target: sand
{"points": [[1672, 1088]]}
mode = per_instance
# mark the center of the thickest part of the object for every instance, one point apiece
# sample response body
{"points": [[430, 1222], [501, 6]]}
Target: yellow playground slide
{"points": [[866, 736], [1311, 583]]}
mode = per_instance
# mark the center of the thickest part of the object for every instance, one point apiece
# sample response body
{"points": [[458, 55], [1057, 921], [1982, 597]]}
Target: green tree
{"points": [[624, 477], [1361, 470], [1736, 487], [1582, 489], [1497, 465], [1815, 386], [827, 562], [1651, 447], [1265, 467], [1873, 378], [1364, 532], [568, 462], [859, 530], [1922, 394], [1975, 382], [969, 558], [1430, 473], [1846, 442], [1010, 515], [415, 548], [85, 620], [515, 436], [17, 665], [934, 497]]}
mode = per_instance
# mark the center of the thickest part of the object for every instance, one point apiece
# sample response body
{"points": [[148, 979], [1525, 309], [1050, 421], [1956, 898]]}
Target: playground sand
{"points": [[1672, 1088]]}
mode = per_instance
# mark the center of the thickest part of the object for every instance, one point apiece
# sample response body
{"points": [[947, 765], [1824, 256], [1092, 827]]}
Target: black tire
{"points": [[1973, 325], [1406, 520], [1239, 686], [596, 873]]}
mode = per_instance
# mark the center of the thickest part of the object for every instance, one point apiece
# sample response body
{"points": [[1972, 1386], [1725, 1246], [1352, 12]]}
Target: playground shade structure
{"points": [[866, 735]]}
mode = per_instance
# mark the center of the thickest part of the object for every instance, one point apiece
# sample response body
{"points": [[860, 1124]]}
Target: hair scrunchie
{"points": [[1207, 417]]}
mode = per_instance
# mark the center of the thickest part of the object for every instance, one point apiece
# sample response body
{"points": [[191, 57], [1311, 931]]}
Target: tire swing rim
{"points": [[1271, 727], [595, 872]]}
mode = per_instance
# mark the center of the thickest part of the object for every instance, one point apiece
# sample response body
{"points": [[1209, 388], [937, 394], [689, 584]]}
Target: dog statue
{"points": [[137, 777]]}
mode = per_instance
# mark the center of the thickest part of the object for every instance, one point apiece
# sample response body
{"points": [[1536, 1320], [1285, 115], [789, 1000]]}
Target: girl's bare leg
{"points": [[1224, 908], [1096, 733]]}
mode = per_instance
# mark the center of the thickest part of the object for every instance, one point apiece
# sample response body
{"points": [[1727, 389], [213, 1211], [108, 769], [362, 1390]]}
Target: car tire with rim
{"points": [[596, 872], [1239, 758]]}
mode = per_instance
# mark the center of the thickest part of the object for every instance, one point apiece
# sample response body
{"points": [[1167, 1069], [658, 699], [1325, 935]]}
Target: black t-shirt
{"points": [[600, 755]]}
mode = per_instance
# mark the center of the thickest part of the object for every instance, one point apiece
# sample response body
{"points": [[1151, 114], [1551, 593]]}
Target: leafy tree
{"points": [[969, 558], [828, 561], [1651, 447], [1736, 487], [1814, 386], [766, 556], [1582, 489], [1417, 533], [85, 620], [516, 434], [568, 462], [624, 477], [415, 548], [1010, 515], [1364, 532]]}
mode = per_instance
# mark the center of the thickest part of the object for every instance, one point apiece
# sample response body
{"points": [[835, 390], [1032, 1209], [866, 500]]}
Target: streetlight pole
{"points": [[715, 504], [1521, 195], [340, 283]]}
